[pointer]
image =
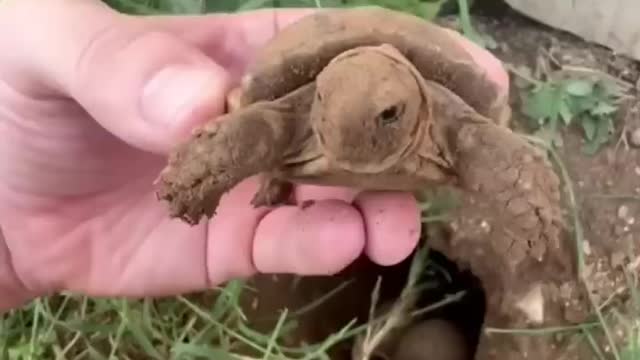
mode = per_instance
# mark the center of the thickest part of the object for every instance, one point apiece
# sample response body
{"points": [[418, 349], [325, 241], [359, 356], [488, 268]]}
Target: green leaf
{"points": [[565, 112], [579, 87], [132, 7], [542, 103], [589, 126], [430, 9], [604, 129], [581, 104], [603, 108], [253, 4], [183, 7]]}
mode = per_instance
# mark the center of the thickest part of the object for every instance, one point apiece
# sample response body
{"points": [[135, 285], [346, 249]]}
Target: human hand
{"points": [[90, 103]]}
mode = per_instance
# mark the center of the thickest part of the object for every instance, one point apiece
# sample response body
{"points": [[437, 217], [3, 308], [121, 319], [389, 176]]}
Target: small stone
{"points": [[634, 138], [623, 212], [485, 226], [586, 248]]}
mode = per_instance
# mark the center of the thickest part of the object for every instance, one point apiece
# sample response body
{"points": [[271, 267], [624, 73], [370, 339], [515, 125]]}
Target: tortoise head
{"points": [[366, 112]]}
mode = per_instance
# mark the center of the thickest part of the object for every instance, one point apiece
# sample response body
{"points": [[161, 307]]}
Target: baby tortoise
{"points": [[335, 99], [380, 100]]}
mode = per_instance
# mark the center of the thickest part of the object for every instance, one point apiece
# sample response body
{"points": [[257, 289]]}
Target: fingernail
{"points": [[179, 90]]}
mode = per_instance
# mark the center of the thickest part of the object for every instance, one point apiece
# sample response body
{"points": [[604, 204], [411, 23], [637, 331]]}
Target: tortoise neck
{"points": [[448, 113]]}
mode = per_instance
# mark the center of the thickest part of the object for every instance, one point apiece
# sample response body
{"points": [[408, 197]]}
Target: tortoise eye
{"points": [[390, 115]]}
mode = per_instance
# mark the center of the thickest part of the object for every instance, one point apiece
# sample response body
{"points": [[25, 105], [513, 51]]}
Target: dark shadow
{"points": [[468, 312]]}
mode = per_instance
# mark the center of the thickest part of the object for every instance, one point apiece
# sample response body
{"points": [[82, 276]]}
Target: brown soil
{"points": [[518, 291]]}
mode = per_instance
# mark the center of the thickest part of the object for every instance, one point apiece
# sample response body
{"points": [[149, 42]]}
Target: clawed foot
{"points": [[272, 192]]}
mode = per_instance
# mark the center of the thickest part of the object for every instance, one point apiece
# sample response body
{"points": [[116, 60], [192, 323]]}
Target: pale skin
{"points": [[86, 120]]}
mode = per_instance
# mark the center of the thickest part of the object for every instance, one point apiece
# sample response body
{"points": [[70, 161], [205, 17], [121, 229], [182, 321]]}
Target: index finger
{"points": [[231, 39]]}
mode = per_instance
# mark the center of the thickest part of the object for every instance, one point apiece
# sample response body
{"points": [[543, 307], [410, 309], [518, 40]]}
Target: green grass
{"points": [[210, 325], [77, 327]]}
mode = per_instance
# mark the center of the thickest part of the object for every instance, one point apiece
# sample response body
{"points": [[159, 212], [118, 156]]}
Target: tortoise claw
{"points": [[272, 192]]}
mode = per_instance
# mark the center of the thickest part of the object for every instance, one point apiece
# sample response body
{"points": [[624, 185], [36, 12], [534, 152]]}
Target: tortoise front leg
{"points": [[273, 191], [249, 141]]}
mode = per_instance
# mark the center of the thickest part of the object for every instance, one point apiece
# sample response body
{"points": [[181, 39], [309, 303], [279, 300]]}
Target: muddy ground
{"points": [[607, 189]]}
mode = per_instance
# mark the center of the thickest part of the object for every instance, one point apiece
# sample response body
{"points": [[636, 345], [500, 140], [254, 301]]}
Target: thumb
{"points": [[144, 85]]}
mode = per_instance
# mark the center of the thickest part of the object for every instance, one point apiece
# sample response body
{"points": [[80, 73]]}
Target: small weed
{"points": [[589, 104], [186, 328]]}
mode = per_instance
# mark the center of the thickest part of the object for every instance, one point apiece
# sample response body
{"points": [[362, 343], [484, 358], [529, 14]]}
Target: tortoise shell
{"points": [[300, 51]]}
